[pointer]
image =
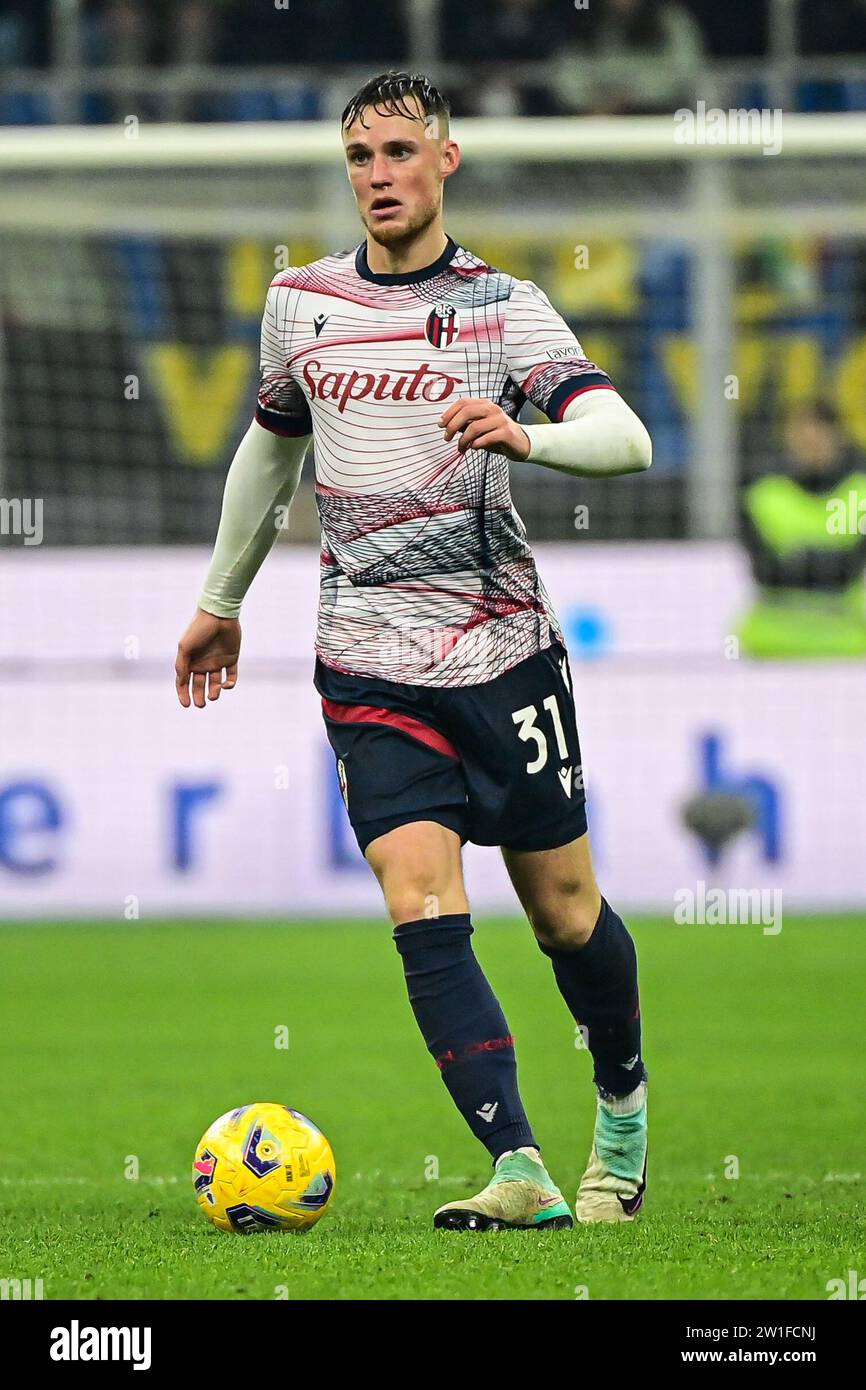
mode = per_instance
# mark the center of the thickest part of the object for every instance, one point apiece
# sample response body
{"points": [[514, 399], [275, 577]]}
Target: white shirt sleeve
{"points": [[544, 358], [593, 432], [281, 406]]}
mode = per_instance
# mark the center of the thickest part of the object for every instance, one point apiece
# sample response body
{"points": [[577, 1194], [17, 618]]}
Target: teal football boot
{"points": [[521, 1195], [613, 1186]]}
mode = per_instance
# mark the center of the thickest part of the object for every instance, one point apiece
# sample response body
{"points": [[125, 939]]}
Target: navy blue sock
{"points": [[464, 1029], [598, 982]]}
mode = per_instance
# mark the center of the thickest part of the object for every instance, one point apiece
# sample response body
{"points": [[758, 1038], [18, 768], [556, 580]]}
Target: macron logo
{"points": [[319, 322], [488, 1110], [77, 1343]]}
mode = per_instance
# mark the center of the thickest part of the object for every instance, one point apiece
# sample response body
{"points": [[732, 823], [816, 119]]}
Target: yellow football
{"points": [[263, 1167]]}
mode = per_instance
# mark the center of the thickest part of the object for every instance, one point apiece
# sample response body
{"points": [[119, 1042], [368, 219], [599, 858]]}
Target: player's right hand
{"points": [[208, 654]]}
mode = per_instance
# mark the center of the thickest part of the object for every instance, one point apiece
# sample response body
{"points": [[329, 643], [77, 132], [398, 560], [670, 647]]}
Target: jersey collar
{"points": [[410, 277]]}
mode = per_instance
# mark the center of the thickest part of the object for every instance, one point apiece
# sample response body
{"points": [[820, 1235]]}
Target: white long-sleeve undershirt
{"points": [[260, 485], [599, 436]]}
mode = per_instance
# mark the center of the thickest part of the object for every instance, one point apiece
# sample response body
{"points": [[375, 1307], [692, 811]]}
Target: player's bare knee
{"points": [[564, 918], [406, 909], [409, 899], [410, 896]]}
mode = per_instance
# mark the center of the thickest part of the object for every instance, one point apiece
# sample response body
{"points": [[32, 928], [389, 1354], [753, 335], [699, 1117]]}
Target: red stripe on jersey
{"points": [[581, 391], [469, 333], [404, 723], [489, 607], [415, 337], [532, 375], [368, 302]]}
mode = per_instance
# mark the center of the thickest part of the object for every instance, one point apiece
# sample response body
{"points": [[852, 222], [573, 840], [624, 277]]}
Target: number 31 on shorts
{"points": [[529, 731]]}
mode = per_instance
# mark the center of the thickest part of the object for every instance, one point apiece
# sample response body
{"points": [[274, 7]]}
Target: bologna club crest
{"points": [[442, 326]]}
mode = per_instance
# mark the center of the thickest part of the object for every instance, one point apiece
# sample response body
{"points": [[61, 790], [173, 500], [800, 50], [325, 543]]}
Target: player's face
{"points": [[812, 443], [397, 167]]}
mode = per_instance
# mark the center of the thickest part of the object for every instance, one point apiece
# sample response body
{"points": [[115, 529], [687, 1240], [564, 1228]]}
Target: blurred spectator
{"points": [[499, 34], [629, 56], [316, 31], [834, 28], [522, 31], [23, 33], [804, 526], [140, 34], [193, 31], [24, 42], [637, 57], [144, 33], [118, 33], [519, 31], [192, 35], [376, 34]]}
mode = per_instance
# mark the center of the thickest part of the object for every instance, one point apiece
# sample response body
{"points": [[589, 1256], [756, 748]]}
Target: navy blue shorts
{"points": [[499, 763]]}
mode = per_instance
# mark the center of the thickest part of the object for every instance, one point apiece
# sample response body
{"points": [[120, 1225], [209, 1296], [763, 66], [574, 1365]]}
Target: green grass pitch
{"points": [[128, 1040]]}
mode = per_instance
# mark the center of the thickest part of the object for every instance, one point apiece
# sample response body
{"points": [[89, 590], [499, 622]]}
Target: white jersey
{"points": [[427, 577]]}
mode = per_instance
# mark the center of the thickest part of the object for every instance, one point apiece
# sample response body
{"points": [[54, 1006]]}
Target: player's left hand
{"points": [[483, 425]]}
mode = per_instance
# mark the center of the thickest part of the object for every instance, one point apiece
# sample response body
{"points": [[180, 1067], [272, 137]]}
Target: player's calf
{"points": [[598, 982], [464, 1028]]}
